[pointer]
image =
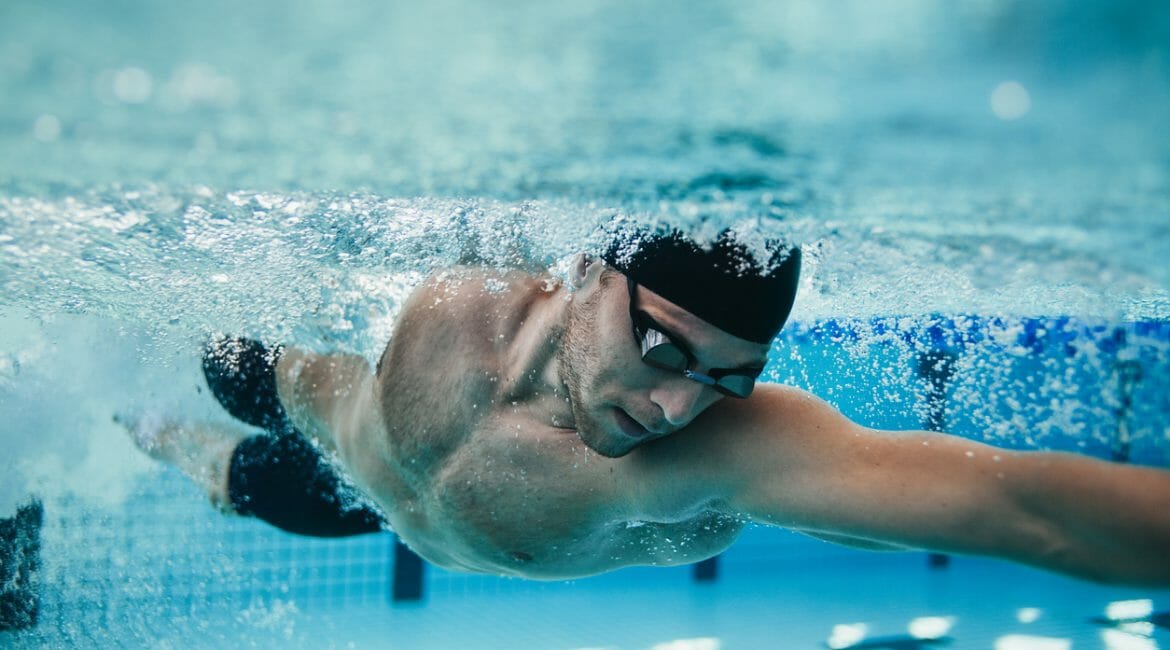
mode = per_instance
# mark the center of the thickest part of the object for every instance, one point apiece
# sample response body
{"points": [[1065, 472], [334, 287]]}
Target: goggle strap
{"points": [[700, 377]]}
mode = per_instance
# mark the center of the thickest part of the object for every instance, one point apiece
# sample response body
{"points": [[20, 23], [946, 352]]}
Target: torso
{"points": [[473, 467]]}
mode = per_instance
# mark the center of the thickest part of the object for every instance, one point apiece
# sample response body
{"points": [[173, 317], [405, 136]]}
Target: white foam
{"points": [[60, 385]]}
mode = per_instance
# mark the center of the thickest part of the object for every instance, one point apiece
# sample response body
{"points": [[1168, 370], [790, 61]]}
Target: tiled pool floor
{"points": [[791, 604]]}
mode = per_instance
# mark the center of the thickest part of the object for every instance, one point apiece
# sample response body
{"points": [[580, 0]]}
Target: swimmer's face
{"points": [[620, 402]]}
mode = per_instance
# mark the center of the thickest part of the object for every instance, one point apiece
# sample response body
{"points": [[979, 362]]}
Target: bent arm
{"points": [[794, 461], [325, 396]]}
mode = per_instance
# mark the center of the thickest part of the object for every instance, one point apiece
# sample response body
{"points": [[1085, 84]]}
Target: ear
{"points": [[579, 269]]}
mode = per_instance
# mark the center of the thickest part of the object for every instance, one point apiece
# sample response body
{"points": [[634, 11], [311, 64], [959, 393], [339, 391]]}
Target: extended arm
{"points": [[791, 460]]}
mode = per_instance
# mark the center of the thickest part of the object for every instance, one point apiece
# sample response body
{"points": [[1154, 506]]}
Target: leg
{"points": [[280, 478], [201, 451]]}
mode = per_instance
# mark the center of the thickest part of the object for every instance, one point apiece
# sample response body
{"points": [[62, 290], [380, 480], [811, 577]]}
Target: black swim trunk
{"points": [[279, 476]]}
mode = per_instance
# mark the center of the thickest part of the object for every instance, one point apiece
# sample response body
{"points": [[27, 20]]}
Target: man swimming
{"points": [[522, 425]]}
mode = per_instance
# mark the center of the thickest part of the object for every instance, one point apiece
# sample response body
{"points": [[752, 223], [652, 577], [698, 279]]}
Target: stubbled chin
{"points": [[610, 445], [595, 438], [589, 427], [605, 451]]}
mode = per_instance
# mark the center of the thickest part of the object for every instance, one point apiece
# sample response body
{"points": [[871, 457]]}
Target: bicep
{"points": [[794, 461]]}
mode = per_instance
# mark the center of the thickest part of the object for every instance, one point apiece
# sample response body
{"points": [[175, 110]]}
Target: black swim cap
{"points": [[723, 284]]}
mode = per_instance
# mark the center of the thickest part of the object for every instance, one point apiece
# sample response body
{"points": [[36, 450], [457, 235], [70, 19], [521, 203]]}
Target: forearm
{"points": [[1097, 520], [1079, 516]]}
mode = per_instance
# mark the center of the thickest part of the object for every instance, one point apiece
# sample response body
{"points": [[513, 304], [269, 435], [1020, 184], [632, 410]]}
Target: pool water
{"points": [[984, 180], [159, 573], [132, 554]]}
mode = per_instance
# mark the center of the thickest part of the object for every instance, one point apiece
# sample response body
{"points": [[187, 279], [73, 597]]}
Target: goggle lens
{"points": [[735, 385], [663, 355], [668, 356], [659, 351]]}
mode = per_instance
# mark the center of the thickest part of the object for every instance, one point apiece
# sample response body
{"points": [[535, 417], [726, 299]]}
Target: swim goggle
{"points": [[658, 351]]}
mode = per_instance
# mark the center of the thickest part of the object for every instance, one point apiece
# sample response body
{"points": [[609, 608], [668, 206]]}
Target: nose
{"points": [[680, 399]]}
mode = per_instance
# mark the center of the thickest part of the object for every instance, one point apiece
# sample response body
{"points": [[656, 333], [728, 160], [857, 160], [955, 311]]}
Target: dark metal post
{"points": [[706, 570], [1129, 373], [407, 581], [936, 367]]}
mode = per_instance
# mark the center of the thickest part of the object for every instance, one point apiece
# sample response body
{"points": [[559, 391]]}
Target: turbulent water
{"points": [[291, 170], [284, 144]]}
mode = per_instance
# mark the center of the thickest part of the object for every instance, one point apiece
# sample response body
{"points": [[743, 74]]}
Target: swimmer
{"points": [[523, 425]]}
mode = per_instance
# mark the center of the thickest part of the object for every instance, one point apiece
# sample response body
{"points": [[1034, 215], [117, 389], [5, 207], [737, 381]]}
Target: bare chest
{"points": [[532, 501]]}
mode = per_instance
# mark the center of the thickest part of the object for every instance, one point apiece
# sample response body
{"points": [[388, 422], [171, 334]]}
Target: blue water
{"points": [[989, 178]]}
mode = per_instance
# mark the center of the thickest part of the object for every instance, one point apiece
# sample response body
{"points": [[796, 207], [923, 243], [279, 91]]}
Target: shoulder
{"points": [[775, 415], [477, 283], [443, 362], [468, 298], [780, 434], [778, 410], [778, 428]]}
